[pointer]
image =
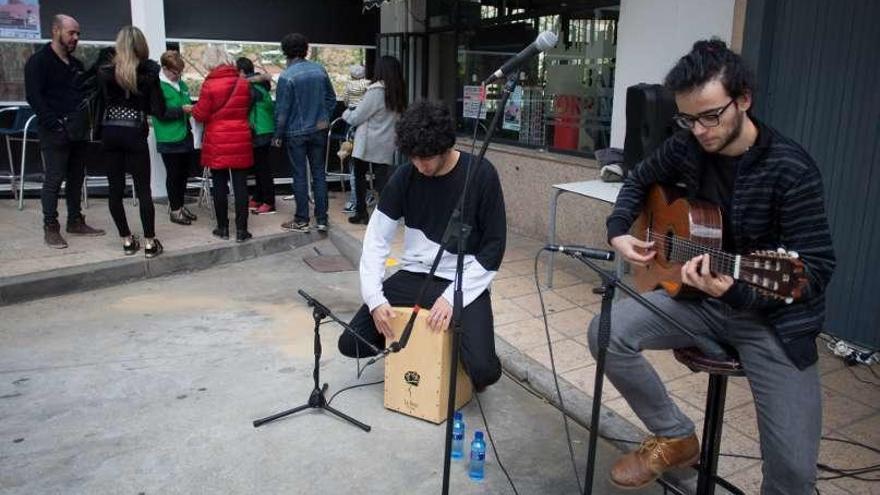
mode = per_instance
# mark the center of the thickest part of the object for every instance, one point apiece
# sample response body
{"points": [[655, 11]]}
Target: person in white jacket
{"points": [[374, 138]]}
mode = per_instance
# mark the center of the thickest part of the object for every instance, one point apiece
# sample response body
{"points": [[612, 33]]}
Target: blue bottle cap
{"points": [[457, 416], [478, 435]]}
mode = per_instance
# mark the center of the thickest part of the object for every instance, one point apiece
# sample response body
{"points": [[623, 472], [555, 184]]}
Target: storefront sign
{"points": [[20, 19], [473, 97]]}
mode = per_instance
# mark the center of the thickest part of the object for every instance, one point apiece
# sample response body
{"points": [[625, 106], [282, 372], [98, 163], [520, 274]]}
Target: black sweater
{"points": [[53, 89], [148, 100], [777, 202]]}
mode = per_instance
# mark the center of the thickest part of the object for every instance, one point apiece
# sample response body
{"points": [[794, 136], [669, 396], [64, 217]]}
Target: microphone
{"points": [[543, 42], [592, 253]]}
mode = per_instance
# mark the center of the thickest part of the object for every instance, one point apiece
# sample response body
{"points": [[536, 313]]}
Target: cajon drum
{"points": [[417, 377]]}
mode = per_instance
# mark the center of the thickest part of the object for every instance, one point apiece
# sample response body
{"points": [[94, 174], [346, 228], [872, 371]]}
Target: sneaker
{"points": [[52, 236], [153, 249], [132, 246], [359, 218], [296, 226], [253, 205], [77, 226], [179, 217], [221, 233], [265, 209], [188, 214], [349, 207], [243, 236], [321, 227]]}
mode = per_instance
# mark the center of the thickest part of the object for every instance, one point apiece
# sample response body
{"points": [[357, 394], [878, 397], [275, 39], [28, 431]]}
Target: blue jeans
{"points": [[309, 148]]}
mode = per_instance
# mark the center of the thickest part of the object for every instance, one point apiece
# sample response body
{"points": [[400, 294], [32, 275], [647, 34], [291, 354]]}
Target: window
{"points": [[563, 100], [15, 54]]}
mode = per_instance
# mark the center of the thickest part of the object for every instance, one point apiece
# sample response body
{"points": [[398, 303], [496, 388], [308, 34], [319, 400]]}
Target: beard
{"points": [[735, 132]]}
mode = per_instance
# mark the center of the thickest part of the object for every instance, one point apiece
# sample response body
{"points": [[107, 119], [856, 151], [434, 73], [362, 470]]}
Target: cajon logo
{"points": [[412, 378]]}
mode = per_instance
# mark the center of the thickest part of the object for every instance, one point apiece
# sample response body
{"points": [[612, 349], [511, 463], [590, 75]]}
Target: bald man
{"points": [[52, 84]]}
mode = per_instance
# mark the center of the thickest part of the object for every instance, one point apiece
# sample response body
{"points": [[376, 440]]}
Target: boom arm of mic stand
{"points": [[706, 345], [324, 310]]}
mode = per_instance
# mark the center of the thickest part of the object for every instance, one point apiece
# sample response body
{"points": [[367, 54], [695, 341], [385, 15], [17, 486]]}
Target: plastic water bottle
{"points": [[457, 436], [478, 457]]}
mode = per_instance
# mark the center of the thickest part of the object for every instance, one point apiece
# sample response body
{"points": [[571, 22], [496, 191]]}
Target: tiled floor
{"points": [[851, 408]]}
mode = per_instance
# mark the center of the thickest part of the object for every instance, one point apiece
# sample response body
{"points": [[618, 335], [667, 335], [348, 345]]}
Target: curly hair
{"points": [[708, 60], [425, 129], [295, 45]]}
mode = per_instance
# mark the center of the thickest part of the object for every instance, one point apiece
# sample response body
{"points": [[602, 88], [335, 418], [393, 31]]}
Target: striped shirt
{"points": [[777, 202]]}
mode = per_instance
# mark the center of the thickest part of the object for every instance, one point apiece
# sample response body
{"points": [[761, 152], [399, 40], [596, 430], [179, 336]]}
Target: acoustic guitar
{"points": [[682, 229]]}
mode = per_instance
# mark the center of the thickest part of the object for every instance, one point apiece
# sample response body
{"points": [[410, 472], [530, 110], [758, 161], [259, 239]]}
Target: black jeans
{"points": [[265, 188], [176, 173], [65, 160], [125, 150], [477, 341], [220, 178], [380, 170]]}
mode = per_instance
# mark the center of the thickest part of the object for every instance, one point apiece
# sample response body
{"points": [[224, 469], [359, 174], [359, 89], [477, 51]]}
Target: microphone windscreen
{"points": [[546, 40]]}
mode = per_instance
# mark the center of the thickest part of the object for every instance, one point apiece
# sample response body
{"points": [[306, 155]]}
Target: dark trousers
{"points": [[220, 178], [124, 151], [308, 151], [477, 340], [380, 170], [265, 188], [176, 173], [65, 160]]}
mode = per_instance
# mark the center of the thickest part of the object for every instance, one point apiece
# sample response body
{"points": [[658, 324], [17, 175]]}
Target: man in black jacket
{"points": [[52, 83], [770, 194]]}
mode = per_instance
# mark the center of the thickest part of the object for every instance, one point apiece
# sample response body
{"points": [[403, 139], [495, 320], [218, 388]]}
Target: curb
{"points": [[31, 286], [539, 378]]}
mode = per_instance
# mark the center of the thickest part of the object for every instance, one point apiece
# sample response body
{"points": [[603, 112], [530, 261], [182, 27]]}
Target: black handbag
{"points": [[77, 124]]}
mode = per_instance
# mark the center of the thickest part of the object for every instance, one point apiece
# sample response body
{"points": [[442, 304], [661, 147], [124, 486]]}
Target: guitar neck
{"points": [[720, 263]]}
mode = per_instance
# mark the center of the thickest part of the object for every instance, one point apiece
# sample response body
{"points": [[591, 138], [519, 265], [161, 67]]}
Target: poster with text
{"points": [[473, 96], [20, 19]]}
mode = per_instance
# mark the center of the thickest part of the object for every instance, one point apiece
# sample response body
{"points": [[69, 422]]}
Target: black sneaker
{"points": [[221, 233], [154, 249], [179, 217], [131, 247], [243, 236], [188, 214], [296, 226], [359, 218]]}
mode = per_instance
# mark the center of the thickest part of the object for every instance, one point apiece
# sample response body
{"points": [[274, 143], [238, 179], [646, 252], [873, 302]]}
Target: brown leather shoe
{"points": [[77, 226], [52, 236], [654, 457]]}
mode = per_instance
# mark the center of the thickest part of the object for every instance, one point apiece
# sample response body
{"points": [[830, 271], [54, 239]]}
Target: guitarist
{"points": [[770, 194]]}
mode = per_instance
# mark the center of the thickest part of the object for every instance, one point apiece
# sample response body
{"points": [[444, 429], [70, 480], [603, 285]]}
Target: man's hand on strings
{"points": [[696, 273], [382, 316], [636, 251], [441, 315]]}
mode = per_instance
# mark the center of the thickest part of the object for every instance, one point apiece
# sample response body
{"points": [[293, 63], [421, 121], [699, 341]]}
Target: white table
{"points": [[595, 189]]}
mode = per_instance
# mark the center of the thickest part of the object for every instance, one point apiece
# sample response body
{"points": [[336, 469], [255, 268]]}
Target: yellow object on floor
{"points": [[391, 262]]}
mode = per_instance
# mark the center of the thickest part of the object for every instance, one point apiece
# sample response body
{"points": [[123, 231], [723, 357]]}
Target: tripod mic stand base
{"points": [[316, 401]]}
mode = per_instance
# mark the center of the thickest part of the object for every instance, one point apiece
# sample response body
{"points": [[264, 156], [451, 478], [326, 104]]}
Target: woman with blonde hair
{"points": [[224, 108], [130, 85]]}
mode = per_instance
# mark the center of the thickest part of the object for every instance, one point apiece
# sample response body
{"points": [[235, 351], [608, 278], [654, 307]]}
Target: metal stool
{"points": [[719, 370]]}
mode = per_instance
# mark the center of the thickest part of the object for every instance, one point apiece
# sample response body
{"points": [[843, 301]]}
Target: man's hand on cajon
{"points": [[382, 316], [441, 315]]}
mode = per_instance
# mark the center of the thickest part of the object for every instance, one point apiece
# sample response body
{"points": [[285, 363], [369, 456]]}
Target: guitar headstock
{"points": [[778, 274]]}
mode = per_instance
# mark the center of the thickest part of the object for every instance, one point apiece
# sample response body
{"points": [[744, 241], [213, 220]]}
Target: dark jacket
{"points": [[53, 88], [777, 202], [224, 104], [147, 101]]}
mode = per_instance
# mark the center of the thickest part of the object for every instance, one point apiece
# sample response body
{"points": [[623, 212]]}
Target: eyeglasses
{"points": [[711, 118]]}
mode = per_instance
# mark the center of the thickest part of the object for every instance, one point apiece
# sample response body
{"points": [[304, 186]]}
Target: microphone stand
{"points": [[610, 282], [317, 399]]}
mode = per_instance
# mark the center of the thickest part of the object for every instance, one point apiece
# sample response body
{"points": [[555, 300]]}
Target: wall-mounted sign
{"points": [[20, 19]]}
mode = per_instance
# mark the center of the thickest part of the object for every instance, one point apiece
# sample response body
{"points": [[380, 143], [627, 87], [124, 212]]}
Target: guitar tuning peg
{"points": [[780, 250], [789, 300], [793, 254]]}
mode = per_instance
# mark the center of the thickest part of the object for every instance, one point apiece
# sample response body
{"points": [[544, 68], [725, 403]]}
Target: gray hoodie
{"points": [[374, 137]]}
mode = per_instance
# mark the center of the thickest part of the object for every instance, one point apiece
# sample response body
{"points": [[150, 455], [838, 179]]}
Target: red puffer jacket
{"points": [[227, 139]]}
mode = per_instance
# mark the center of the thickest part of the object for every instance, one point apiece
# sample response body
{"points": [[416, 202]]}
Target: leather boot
{"points": [[52, 236], [77, 226], [654, 457]]}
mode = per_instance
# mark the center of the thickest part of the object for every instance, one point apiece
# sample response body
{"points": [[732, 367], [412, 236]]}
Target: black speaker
{"points": [[649, 112]]}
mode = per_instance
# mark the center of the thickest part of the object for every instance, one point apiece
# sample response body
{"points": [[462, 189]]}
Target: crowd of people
{"points": [[233, 126]]}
